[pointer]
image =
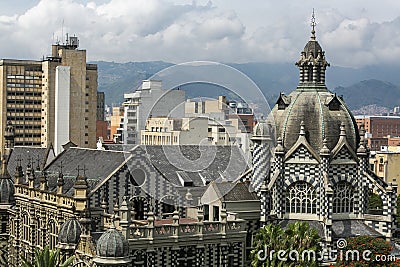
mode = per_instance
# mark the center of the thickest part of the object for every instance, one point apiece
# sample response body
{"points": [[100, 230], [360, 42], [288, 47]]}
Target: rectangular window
{"points": [[215, 213], [381, 167], [206, 213]]}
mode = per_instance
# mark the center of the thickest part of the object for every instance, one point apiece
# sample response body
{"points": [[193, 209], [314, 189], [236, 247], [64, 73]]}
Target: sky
{"points": [[354, 33]]}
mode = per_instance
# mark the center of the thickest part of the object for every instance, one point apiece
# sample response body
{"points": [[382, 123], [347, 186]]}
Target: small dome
{"points": [[70, 232], [112, 244], [312, 48], [6, 190], [262, 129]]}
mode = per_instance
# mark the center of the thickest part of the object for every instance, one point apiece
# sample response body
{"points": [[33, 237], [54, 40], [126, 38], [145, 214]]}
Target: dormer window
{"points": [[283, 101], [333, 103]]}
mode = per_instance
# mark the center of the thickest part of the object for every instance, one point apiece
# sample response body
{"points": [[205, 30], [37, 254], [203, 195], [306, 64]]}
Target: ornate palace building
{"points": [[137, 207], [319, 171]]}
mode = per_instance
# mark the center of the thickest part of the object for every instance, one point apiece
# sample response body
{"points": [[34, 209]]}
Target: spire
{"points": [[313, 24], [312, 63]]}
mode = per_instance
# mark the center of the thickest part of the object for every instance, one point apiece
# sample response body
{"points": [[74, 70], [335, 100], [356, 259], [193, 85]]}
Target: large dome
{"points": [[321, 111]]}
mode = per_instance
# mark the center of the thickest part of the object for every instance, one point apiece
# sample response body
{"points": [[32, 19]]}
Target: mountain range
{"points": [[369, 86]]}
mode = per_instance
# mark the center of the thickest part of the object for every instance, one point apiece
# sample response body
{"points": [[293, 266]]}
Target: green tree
{"points": [[47, 258], [374, 201], [297, 237], [377, 246]]}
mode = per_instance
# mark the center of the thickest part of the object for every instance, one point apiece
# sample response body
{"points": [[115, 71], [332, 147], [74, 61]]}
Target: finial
{"points": [[113, 221], [19, 161], [81, 169], [279, 148], [362, 133], [38, 163], [325, 149], [4, 172], [313, 24]]}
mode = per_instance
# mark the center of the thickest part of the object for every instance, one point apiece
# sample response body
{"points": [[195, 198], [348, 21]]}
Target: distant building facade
{"points": [[381, 131], [151, 100], [33, 91], [386, 165], [171, 131]]}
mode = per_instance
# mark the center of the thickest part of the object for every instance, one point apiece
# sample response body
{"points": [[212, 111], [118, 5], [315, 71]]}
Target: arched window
{"points": [[25, 227], [52, 234], [301, 197], [343, 197]]}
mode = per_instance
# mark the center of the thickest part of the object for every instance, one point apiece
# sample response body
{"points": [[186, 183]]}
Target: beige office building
{"points": [[28, 98]]}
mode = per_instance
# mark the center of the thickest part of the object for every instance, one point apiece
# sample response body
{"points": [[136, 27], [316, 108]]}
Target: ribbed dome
{"points": [[112, 244], [261, 129], [312, 48], [70, 232], [6, 190], [322, 113]]}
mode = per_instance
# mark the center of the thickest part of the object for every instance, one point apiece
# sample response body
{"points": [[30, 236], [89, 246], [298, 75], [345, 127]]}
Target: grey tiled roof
{"points": [[118, 147], [40, 156], [240, 192], [99, 164], [349, 228], [222, 161]]}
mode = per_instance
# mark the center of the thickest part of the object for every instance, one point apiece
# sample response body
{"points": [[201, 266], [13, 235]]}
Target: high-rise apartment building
{"points": [[44, 98]]}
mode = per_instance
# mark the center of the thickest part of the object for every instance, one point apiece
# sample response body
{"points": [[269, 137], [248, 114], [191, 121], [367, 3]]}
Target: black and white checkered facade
{"points": [[324, 186], [319, 169]]}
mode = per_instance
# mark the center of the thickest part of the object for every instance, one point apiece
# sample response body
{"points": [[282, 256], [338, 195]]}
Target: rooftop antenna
{"points": [[62, 29]]}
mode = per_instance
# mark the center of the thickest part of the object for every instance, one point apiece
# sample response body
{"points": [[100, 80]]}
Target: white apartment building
{"points": [[151, 100]]}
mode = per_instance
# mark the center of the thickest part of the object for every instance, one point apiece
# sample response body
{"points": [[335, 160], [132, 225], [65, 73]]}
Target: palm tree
{"points": [[297, 237], [301, 237], [47, 258]]}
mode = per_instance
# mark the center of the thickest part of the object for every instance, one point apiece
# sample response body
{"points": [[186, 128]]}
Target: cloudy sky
{"points": [[353, 33]]}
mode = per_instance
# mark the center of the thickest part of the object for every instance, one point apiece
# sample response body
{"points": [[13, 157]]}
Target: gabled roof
{"points": [[302, 142], [240, 192], [233, 191], [283, 99]]}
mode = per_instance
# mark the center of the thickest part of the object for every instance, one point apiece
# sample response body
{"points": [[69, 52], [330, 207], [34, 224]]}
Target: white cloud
{"points": [[140, 30]]}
